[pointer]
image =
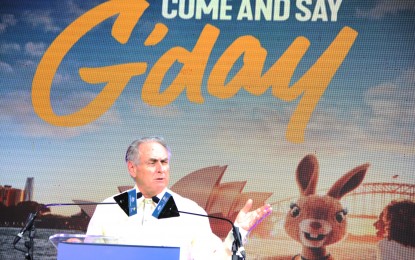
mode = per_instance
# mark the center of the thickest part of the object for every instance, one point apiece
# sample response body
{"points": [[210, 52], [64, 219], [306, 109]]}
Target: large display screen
{"points": [[248, 94]]}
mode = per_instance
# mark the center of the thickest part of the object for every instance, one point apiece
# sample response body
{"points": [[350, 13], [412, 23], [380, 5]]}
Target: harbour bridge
{"points": [[367, 201]]}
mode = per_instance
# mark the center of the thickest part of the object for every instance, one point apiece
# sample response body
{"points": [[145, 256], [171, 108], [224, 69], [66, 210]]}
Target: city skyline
{"points": [[11, 196]]}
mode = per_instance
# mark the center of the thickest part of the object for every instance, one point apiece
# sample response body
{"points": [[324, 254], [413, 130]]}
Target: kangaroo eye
{"points": [[295, 210], [341, 215]]}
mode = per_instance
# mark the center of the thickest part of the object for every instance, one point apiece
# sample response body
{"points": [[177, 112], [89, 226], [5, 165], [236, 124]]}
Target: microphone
{"points": [[29, 224], [126, 200], [167, 208]]}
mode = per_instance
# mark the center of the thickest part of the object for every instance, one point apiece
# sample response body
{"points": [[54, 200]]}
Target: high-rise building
{"points": [[3, 194], [10, 196], [28, 189], [14, 197]]}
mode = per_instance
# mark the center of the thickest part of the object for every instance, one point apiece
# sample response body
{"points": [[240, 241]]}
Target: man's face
{"points": [[151, 174]]}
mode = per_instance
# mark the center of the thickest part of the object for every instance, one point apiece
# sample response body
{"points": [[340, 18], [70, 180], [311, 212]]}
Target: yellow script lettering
{"points": [[309, 88]]}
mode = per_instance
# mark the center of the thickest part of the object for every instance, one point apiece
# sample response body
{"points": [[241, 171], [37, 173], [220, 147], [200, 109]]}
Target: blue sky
{"points": [[366, 114]]}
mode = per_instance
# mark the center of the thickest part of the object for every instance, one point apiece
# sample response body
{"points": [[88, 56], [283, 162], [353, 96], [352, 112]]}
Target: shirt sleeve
{"points": [[94, 225], [101, 216]]}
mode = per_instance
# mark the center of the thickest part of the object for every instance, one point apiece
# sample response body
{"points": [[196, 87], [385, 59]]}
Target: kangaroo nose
{"points": [[315, 225]]}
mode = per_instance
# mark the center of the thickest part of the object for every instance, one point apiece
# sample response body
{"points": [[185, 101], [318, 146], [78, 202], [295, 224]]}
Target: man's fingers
{"points": [[248, 206]]}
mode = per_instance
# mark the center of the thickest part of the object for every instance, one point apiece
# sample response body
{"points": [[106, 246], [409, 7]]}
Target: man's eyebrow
{"points": [[156, 159]]}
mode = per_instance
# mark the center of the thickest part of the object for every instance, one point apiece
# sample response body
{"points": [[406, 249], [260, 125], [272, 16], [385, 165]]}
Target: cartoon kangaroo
{"points": [[317, 221]]}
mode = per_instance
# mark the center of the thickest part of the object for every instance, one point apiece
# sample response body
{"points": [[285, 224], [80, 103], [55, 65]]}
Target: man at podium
{"points": [[148, 164]]}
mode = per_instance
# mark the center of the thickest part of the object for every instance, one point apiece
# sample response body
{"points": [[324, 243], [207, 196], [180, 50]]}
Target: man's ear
{"points": [[131, 169]]}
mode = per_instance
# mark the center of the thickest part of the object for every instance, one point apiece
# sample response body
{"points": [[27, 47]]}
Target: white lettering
{"points": [[320, 11], [212, 8], [197, 9], [224, 8], [278, 16], [190, 9], [334, 8], [245, 11], [306, 12], [165, 10], [269, 10], [263, 9]]}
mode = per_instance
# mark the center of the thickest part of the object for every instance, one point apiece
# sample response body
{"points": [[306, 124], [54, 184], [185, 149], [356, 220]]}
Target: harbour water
{"points": [[43, 248]]}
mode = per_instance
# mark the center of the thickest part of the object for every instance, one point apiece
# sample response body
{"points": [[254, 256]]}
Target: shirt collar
{"points": [[159, 196]]}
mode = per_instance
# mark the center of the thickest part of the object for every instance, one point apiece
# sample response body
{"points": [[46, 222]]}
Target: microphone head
{"points": [[166, 208], [127, 202]]}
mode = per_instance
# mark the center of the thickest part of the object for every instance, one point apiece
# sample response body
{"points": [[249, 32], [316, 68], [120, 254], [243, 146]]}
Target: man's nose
{"points": [[159, 167]]}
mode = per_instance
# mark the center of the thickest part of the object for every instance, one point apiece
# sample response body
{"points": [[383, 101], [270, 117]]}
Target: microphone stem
{"points": [[73, 204], [235, 230], [208, 216]]}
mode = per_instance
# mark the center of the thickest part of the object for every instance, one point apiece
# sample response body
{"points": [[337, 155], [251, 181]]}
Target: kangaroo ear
{"points": [[348, 182], [307, 175]]}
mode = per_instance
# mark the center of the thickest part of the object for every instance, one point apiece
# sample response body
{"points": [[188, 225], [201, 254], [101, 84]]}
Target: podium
{"points": [[84, 247]]}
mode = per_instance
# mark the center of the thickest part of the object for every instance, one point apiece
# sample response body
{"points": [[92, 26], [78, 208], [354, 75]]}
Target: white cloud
{"points": [[9, 47], [5, 67], [386, 121], [14, 103], [35, 49], [41, 18], [73, 8], [394, 101], [392, 106], [61, 78], [239, 127], [27, 63], [6, 20], [2, 27], [387, 7], [16, 112], [134, 103], [407, 77]]}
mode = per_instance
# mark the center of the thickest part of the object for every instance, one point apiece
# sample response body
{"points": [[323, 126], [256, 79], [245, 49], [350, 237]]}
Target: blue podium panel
{"points": [[88, 251]]}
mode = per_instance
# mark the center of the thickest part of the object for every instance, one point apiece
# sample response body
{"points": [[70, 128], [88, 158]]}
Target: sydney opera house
{"points": [[204, 186]]}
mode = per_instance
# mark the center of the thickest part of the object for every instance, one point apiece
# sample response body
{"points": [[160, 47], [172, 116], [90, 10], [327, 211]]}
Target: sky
{"points": [[366, 114]]}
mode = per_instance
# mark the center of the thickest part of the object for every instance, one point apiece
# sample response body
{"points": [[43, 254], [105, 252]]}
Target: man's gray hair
{"points": [[132, 153]]}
